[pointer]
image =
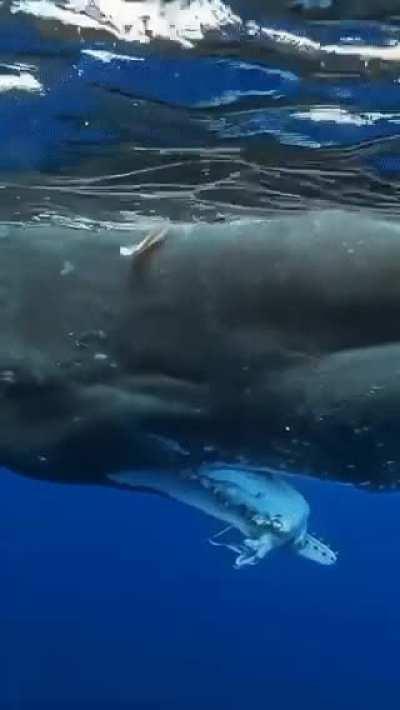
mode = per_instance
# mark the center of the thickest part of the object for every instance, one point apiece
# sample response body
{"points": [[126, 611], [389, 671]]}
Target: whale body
{"points": [[272, 342], [163, 354]]}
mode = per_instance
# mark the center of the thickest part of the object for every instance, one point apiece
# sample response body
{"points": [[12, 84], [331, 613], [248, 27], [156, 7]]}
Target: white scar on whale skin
{"points": [[262, 506], [149, 241]]}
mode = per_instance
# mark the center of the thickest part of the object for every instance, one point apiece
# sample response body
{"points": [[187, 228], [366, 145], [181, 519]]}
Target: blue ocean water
{"points": [[111, 599]]}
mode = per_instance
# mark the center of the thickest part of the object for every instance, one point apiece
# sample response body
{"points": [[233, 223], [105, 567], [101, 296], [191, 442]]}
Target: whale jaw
{"points": [[260, 506]]}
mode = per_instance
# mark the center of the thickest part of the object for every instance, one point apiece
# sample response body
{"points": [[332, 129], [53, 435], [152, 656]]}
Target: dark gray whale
{"points": [[270, 343]]}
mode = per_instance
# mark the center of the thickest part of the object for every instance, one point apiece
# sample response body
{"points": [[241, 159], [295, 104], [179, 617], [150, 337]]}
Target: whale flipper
{"points": [[313, 549]]}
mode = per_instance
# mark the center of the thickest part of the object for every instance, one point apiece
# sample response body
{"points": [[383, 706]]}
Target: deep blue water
{"points": [[116, 600], [111, 599]]}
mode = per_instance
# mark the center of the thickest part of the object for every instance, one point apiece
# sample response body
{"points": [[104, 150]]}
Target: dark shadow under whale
{"points": [[270, 345]]}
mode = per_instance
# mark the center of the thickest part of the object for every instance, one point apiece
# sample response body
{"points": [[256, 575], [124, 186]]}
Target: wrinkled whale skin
{"points": [[274, 343]]}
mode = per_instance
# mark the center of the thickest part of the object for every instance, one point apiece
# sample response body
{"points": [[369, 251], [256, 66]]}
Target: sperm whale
{"points": [[257, 345]]}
